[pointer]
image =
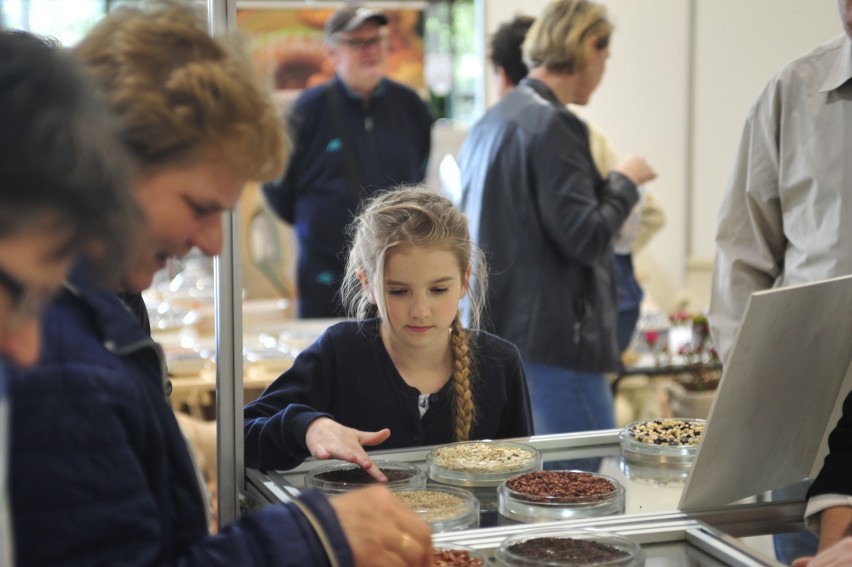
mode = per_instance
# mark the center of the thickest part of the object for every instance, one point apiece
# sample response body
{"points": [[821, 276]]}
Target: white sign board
{"points": [[779, 396]]}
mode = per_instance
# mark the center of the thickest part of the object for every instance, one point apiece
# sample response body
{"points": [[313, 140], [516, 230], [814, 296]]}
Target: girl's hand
{"points": [[327, 439]]}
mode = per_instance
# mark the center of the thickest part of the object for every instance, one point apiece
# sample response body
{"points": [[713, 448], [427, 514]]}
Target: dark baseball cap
{"points": [[350, 17]]}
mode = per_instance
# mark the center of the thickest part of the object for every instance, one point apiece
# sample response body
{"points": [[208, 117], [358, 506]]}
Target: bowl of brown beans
{"points": [[544, 496], [452, 555], [578, 548], [444, 508], [338, 477]]}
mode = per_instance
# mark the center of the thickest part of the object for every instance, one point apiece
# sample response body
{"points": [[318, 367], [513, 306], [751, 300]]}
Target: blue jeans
{"points": [[791, 545], [567, 401]]}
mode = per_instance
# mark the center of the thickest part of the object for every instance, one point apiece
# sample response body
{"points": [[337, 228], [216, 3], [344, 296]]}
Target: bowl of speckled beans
{"points": [[338, 477], [444, 508], [544, 496], [561, 548], [664, 441]]}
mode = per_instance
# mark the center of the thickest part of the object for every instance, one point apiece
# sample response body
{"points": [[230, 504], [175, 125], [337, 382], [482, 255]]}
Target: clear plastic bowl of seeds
{"points": [[481, 463], [668, 442], [454, 555], [339, 477], [444, 508], [553, 547], [545, 496]]}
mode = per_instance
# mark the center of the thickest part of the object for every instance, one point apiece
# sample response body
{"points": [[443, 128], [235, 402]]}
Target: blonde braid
{"points": [[464, 413]]}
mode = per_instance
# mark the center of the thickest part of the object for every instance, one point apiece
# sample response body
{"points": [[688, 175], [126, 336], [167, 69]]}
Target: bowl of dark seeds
{"points": [[339, 477], [580, 548], [543, 496]]}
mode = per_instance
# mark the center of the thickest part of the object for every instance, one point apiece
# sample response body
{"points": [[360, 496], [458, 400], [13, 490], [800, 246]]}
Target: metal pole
{"points": [[229, 330]]}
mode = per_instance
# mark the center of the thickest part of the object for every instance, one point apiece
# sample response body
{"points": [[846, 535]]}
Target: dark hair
{"points": [[61, 168], [506, 47]]}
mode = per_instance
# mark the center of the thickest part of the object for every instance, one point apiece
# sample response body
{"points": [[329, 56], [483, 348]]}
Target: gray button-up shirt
{"points": [[787, 215]]}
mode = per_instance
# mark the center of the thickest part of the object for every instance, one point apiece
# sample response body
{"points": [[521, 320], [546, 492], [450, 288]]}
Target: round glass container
{"points": [[576, 548], [544, 496], [443, 508], [666, 442], [339, 477], [454, 555], [654, 474], [481, 463]]}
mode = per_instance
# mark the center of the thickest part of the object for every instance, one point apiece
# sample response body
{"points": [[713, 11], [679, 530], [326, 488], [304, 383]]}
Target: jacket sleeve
{"points": [[579, 218], [516, 420], [281, 194], [276, 423], [835, 477], [652, 218], [283, 535], [426, 138], [750, 238]]}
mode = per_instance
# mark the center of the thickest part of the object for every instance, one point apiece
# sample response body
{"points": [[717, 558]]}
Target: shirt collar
{"points": [[380, 88], [541, 89], [841, 70]]}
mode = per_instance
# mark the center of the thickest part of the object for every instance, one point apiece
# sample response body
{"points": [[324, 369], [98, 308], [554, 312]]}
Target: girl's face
{"points": [[183, 206], [423, 287]]}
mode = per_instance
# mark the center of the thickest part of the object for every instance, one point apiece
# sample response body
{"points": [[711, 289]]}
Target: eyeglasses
{"points": [[363, 44], [24, 303]]}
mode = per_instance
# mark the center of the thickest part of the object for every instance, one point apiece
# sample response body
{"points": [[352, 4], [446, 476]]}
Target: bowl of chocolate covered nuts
{"points": [[544, 496]]}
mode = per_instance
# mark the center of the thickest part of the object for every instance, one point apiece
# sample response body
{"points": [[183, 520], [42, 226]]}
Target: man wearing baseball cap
{"points": [[355, 135]]}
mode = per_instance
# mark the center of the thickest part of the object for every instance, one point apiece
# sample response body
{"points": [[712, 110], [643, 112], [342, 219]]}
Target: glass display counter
{"points": [[650, 516]]}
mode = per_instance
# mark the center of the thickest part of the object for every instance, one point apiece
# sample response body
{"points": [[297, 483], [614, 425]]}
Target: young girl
{"points": [[406, 372]]}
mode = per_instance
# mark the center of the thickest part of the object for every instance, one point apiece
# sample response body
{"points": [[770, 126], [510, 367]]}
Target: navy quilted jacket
{"points": [[100, 473]]}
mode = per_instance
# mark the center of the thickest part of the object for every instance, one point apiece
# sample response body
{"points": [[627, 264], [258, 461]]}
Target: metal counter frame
{"points": [[707, 537]]}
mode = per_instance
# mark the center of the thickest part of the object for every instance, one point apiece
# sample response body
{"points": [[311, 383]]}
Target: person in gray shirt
{"points": [[785, 217]]}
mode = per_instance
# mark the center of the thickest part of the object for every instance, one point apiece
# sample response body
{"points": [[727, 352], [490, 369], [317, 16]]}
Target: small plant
{"points": [[703, 371]]}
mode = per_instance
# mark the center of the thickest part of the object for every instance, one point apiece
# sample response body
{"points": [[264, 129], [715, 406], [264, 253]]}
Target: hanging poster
{"points": [[286, 46]]}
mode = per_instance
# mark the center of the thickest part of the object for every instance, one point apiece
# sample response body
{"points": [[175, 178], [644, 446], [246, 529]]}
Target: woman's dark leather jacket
{"points": [[545, 219]]}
